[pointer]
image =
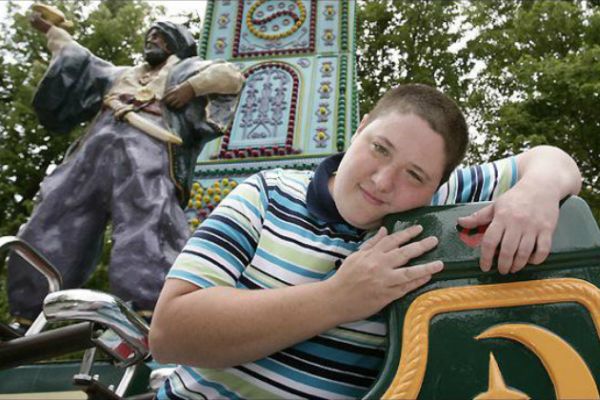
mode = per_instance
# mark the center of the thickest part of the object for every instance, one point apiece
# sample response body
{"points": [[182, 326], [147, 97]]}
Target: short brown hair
{"points": [[441, 113]]}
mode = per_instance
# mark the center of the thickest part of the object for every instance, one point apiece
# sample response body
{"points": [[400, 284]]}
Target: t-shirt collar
{"points": [[318, 199]]}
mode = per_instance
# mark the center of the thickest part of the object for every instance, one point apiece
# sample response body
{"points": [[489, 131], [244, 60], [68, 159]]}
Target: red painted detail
{"points": [[471, 237]]}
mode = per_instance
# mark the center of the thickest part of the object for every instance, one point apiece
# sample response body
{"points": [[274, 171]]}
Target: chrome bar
{"points": [[108, 311], [37, 325], [87, 361], [33, 257], [126, 380]]}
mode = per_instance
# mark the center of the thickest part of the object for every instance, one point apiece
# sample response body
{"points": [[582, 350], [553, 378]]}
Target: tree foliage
{"points": [[541, 81], [408, 41], [526, 72]]}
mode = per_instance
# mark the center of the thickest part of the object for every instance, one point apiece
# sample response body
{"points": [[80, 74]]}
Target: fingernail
{"points": [[417, 227]]}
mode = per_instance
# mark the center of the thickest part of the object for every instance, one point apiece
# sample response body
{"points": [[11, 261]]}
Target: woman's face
{"points": [[394, 164]]}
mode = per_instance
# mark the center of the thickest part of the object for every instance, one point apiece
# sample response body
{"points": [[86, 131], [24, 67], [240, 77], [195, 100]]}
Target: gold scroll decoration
{"points": [[415, 336], [570, 375], [497, 389]]}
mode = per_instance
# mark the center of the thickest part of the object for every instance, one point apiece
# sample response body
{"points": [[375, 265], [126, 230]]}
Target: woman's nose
{"points": [[383, 179]]}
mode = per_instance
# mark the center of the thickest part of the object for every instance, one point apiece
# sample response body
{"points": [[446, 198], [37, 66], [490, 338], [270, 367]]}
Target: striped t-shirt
{"points": [[267, 233]]}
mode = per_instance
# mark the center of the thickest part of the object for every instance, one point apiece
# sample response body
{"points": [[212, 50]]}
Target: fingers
{"points": [[408, 287], [492, 237], [175, 103], [407, 274], [516, 244], [396, 239], [481, 217], [509, 243], [516, 249], [179, 95], [172, 98], [172, 101], [169, 92], [406, 279], [489, 243], [508, 247], [402, 255], [523, 253], [381, 233], [168, 97], [542, 249]]}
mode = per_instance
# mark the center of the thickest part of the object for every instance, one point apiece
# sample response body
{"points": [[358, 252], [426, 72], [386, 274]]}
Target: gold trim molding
{"points": [[415, 334]]}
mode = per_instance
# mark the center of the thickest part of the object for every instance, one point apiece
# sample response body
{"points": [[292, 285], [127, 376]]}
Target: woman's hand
{"points": [[521, 224], [375, 275]]}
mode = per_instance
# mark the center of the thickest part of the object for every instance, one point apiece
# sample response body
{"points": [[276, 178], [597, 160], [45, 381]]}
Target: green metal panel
{"points": [[457, 364], [58, 377]]}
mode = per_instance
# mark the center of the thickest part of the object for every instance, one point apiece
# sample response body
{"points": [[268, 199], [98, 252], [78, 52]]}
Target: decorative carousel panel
{"points": [[298, 104], [329, 34], [324, 102], [205, 195], [275, 27], [266, 116]]}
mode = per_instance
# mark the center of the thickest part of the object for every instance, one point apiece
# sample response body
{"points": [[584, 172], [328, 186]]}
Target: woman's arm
{"points": [[522, 220], [220, 327]]}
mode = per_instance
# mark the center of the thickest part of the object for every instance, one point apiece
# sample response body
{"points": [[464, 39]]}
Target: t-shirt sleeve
{"points": [[224, 244], [484, 182]]}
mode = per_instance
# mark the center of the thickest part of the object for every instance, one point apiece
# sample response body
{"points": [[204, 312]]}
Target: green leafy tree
{"points": [[409, 41], [541, 80]]}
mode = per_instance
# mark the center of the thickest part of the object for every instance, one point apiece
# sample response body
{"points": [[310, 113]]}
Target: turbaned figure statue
{"points": [[133, 166]]}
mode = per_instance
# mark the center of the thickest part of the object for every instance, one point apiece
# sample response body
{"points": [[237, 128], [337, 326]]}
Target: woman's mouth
{"points": [[371, 199]]}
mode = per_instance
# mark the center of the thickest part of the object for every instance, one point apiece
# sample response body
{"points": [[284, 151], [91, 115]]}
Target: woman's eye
{"points": [[380, 149], [415, 176]]}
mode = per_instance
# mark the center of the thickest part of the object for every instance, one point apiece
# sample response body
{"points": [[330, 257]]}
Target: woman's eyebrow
{"points": [[386, 142], [421, 171]]}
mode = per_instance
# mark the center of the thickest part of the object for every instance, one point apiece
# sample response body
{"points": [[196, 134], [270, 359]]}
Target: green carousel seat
{"points": [[475, 335]]}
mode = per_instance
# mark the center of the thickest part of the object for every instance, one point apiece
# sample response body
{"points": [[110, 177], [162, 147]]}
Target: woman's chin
{"points": [[363, 223]]}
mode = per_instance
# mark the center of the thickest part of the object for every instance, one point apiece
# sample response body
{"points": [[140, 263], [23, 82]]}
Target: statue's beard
{"points": [[154, 55]]}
